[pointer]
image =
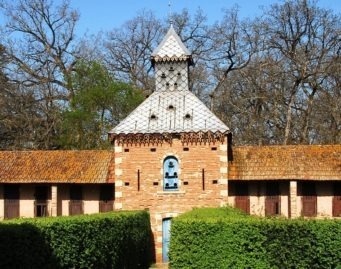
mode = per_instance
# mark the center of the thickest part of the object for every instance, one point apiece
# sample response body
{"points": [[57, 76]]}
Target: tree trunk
{"points": [[289, 118], [304, 134]]}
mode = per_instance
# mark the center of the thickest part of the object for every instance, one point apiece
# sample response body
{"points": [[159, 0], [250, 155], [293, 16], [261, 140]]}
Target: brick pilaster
{"points": [[223, 181], [293, 199], [118, 178], [54, 200]]}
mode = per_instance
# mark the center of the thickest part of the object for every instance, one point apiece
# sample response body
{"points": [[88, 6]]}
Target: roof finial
{"points": [[170, 12]]}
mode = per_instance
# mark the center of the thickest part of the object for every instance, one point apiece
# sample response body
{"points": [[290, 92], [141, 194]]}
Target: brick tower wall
{"points": [[139, 180]]}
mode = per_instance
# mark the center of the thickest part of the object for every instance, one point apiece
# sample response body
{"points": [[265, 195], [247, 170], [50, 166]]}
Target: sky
{"points": [[104, 15]]}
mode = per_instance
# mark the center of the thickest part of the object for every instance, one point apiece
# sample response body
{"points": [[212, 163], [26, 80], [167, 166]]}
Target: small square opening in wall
{"points": [[153, 149], [126, 150], [214, 181], [155, 183], [186, 149], [214, 148], [126, 183], [185, 182]]}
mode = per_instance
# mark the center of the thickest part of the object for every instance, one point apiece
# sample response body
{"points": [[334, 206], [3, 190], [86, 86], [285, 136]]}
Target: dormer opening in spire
{"points": [[171, 60]]}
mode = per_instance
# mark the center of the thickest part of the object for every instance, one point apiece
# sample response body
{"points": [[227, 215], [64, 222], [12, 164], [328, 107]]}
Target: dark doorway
{"points": [[309, 199], [272, 199], [76, 200], [242, 199], [106, 198], [40, 204], [11, 201], [337, 199]]}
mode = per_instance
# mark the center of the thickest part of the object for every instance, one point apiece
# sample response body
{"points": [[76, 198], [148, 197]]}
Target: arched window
{"points": [[170, 172]]}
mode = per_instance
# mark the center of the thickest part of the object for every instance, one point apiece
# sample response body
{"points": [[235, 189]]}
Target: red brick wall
{"points": [[163, 204]]}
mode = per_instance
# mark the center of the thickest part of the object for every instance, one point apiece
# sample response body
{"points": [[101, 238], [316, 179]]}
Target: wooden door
{"points": [[337, 200], [309, 199], [40, 208], [76, 200], [11, 201], [166, 224], [272, 199], [106, 198], [242, 199]]}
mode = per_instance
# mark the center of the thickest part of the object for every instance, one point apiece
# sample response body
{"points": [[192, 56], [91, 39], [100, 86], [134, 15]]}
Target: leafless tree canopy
{"points": [[274, 79]]}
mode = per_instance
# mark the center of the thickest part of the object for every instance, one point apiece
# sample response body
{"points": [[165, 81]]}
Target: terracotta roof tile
{"points": [[84, 166], [318, 162]]}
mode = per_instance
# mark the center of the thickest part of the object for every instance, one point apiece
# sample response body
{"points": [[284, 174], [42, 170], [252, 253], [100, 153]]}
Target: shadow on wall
{"points": [[229, 148], [152, 247]]}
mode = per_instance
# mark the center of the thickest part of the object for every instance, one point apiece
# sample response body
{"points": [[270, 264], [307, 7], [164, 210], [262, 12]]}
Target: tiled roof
{"points": [[172, 108], [54, 166], [305, 162], [172, 111], [171, 48]]}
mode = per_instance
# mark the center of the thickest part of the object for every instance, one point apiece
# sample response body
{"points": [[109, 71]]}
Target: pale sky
{"points": [[108, 14], [104, 15]]}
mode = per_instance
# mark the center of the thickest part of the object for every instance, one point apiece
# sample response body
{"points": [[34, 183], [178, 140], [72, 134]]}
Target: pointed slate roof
{"points": [[171, 48], [170, 112]]}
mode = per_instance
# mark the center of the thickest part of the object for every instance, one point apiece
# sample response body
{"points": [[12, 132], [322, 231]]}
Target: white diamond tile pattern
{"points": [[172, 111], [171, 46], [171, 76]]}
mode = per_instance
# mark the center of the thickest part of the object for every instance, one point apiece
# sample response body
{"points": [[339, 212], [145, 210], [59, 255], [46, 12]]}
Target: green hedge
{"points": [[226, 238], [108, 240]]}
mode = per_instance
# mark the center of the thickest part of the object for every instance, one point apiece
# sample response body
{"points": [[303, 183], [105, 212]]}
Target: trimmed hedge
{"points": [[226, 238], [108, 240]]}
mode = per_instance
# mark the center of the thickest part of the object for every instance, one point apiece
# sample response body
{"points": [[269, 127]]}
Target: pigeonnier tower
{"points": [[171, 151]]}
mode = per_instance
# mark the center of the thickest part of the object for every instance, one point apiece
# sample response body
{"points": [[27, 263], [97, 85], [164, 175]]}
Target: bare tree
{"points": [[129, 49], [289, 91], [233, 44], [304, 38], [41, 52], [39, 37], [325, 117], [272, 80]]}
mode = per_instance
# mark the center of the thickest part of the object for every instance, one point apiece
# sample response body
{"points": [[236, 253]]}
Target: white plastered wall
{"points": [[91, 198], [26, 200], [324, 192], [284, 191]]}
